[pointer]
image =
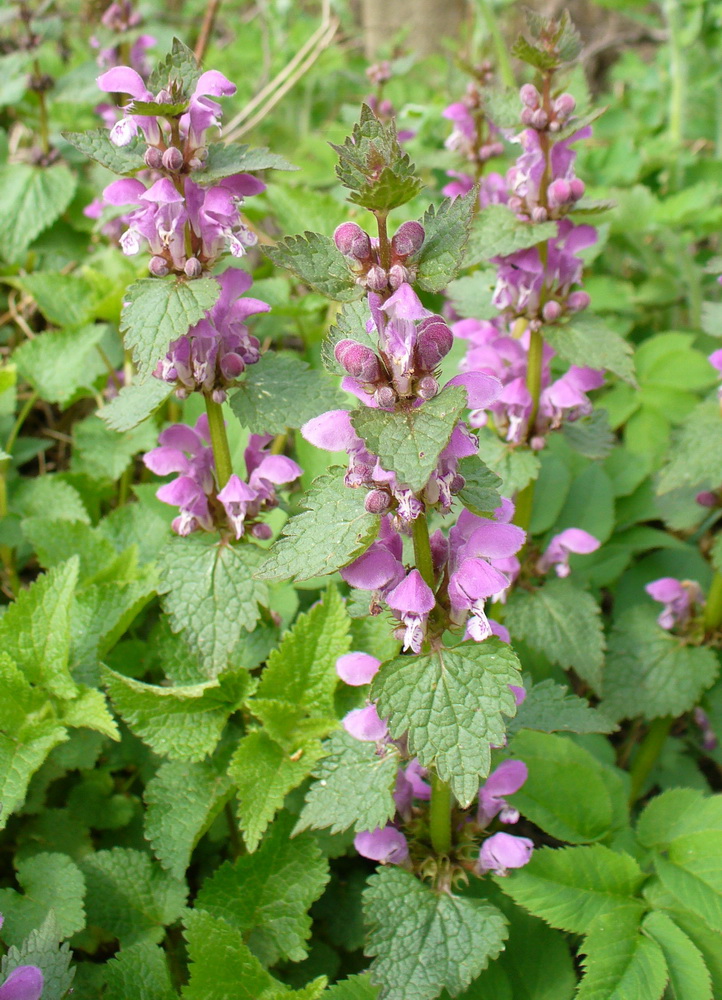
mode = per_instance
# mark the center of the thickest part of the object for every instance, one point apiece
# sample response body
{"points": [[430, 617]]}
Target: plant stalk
{"points": [[500, 50], [422, 549], [384, 244], [440, 815], [647, 755], [713, 607], [219, 442]]}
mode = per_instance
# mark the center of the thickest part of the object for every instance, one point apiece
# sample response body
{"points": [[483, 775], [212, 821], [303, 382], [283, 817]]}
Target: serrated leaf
{"points": [[350, 324], [692, 873], [182, 800], [481, 493], [129, 897], [76, 538], [67, 300], [423, 941], [183, 723], [502, 106], [354, 787], [221, 964], [96, 145], [695, 455], [179, 66], [562, 621], [49, 496], [42, 948], [266, 895], [451, 703], [572, 886], [564, 794], [354, 988], [101, 614], [409, 442], [550, 708], [316, 260], [104, 454], [210, 594], [586, 340], [264, 774], [282, 391], [688, 975], [157, 311], [620, 961], [134, 403], [591, 436], [650, 672], [447, 231], [534, 56], [50, 883], [20, 758], [496, 232], [156, 109], [139, 971], [31, 199], [57, 364], [89, 711], [232, 158], [333, 530], [676, 813], [515, 466], [471, 295]]}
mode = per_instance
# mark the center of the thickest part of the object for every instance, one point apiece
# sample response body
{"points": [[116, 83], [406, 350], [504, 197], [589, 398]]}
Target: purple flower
{"points": [[357, 669], [26, 982], [709, 737], [502, 851], [678, 597], [385, 844], [506, 779], [469, 588], [412, 599], [562, 545], [236, 496], [365, 724]]}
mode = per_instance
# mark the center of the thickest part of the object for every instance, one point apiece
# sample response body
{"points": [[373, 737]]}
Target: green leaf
{"points": [[620, 962], [281, 391], [183, 723], [41, 948], [141, 972], [104, 454], [49, 496], [211, 594], [423, 941], [232, 158], [515, 466], [564, 794], [20, 758], [134, 403], [35, 629], [180, 66], [157, 311], [333, 531], [650, 672], [129, 897], [572, 886], [550, 708], [101, 614], [447, 231], [591, 436], [688, 975], [692, 874], [19, 700], [563, 622], [496, 232], [536, 57], [264, 774], [182, 800], [676, 813], [96, 145], [317, 261], [173, 109], [76, 538], [221, 964], [67, 300], [451, 704], [50, 883], [586, 340], [354, 988], [707, 941], [409, 442], [471, 295], [350, 324], [89, 711], [353, 787], [695, 455], [481, 493], [31, 199], [58, 364], [266, 895]]}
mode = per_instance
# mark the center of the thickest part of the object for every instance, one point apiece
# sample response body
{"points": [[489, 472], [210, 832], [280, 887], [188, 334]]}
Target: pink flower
{"points": [[562, 546], [506, 779], [385, 844], [357, 668], [502, 851]]}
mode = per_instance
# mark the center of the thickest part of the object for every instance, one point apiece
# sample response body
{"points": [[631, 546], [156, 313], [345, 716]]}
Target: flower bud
{"points": [[428, 387], [496, 149], [377, 279], [262, 531], [358, 360], [529, 96], [539, 214], [377, 502], [457, 484], [560, 192], [433, 342], [408, 239], [172, 159], [578, 301], [564, 105], [398, 274], [153, 158], [707, 499], [537, 443], [515, 203], [551, 311], [193, 268], [158, 267], [578, 188], [540, 119], [527, 116], [194, 163], [218, 396], [385, 397], [163, 97], [352, 241]]}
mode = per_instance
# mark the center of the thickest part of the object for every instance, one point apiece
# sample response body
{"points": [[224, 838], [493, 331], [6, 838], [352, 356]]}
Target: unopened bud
{"points": [[158, 267], [564, 105], [433, 342], [578, 188], [182, 393], [377, 279], [539, 214], [398, 274], [537, 443], [377, 501], [551, 311], [385, 397], [163, 97], [352, 241], [193, 268], [527, 116], [218, 396], [578, 301], [172, 159], [457, 484], [496, 149], [540, 119], [707, 499], [194, 163], [428, 387], [408, 239], [530, 96], [560, 192], [262, 531], [515, 203], [153, 158], [358, 360]]}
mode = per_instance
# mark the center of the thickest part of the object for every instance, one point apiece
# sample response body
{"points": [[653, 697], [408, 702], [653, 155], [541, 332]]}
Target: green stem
{"points": [[672, 10], [42, 111], [500, 50], [384, 244], [524, 504], [236, 845], [6, 552], [647, 755], [219, 442], [422, 549], [20, 420], [713, 607], [440, 815]]}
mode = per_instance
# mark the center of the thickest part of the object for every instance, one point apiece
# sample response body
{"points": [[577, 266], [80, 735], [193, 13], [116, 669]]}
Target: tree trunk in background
{"points": [[427, 21]]}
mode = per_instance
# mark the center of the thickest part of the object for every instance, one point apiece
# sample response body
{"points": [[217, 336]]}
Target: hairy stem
{"points": [[647, 755], [422, 549], [219, 442], [206, 29], [440, 815], [713, 608], [384, 244]]}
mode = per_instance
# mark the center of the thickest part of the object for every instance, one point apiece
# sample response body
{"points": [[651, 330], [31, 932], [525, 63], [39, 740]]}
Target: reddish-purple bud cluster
{"points": [[537, 117], [364, 257]]}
